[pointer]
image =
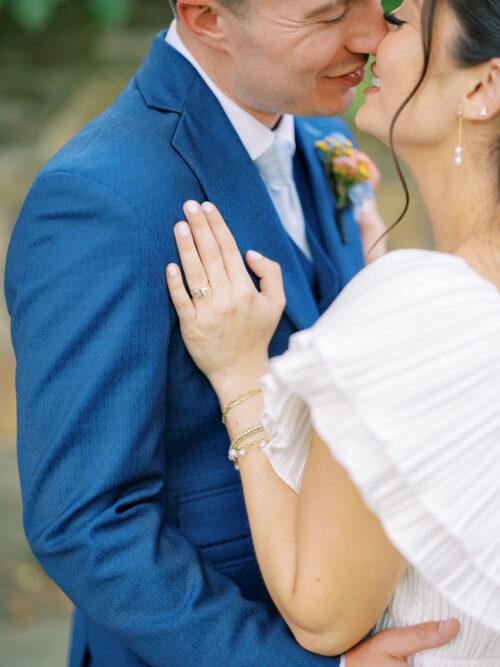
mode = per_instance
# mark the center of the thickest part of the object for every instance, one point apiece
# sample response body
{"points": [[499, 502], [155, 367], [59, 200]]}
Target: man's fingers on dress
{"points": [[180, 298], [231, 255], [192, 265], [269, 273], [406, 642], [206, 244]]}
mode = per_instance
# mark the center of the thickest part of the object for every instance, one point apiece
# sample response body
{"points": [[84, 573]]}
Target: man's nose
{"points": [[368, 28]]}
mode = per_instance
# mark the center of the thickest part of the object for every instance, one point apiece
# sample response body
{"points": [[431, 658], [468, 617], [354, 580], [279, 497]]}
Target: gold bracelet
{"points": [[237, 453], [241, 398], [250, 446], [251, 430], [236, 448]]}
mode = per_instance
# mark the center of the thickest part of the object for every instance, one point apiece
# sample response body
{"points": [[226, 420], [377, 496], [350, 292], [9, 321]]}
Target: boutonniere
{"points": [[352, 175]]}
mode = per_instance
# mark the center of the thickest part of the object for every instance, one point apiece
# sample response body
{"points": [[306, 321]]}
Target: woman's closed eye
{"points": [[393, 20]]}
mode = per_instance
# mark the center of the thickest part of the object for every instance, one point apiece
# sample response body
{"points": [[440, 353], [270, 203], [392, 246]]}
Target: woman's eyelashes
{"points": [[393, 20]]}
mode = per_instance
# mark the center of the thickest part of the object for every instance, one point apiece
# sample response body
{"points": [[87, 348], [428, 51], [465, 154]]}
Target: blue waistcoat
{"points": [[130, 503]]}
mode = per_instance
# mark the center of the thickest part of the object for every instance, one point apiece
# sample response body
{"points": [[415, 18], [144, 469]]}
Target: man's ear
{"points": [[203, 20], [483, 100]]}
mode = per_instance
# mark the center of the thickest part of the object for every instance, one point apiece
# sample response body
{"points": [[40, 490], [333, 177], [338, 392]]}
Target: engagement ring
{"points": [[199, 292]]}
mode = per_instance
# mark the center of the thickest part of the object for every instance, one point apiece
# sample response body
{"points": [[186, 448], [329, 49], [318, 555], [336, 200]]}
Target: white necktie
{"points": [[276, 168]]}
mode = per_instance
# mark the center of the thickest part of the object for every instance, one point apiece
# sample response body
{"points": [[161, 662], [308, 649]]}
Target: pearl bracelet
{"points": [[237, 453]]}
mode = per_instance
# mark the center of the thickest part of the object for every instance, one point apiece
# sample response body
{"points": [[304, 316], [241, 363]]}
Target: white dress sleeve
{"points": [[401, 380]]}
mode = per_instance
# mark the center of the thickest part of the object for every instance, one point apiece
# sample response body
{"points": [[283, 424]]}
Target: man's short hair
{"points": [[230, 4]]}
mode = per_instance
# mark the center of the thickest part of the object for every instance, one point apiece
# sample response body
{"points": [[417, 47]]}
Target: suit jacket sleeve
{"points": [[90, 324]]}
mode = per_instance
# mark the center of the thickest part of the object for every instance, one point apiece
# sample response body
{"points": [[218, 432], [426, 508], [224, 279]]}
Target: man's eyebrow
{"points": [[322, 9]]}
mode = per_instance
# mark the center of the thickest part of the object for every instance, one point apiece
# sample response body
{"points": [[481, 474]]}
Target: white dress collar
{"points": [[254, 135]]}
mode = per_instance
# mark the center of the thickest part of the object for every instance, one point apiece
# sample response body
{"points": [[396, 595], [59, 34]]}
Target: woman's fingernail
{"points": [[253, 254], [183, 229], [192, 206], [172, 270], [207, 207]]}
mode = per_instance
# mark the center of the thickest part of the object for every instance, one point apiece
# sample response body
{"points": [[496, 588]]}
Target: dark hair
{"points": [[478, 42]]}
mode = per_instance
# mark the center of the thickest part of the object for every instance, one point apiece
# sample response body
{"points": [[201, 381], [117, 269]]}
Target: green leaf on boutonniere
{"points": [[341, 198]]}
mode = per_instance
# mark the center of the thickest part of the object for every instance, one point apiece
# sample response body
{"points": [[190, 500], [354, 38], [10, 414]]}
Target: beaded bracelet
{"points": [[251, 430]]}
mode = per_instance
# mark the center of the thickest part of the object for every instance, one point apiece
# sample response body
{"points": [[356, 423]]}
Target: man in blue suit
{"points": [[130, 504]]}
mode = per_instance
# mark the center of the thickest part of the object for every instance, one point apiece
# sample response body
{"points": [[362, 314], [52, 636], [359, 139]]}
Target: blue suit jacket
{"points": [[130, 504]]}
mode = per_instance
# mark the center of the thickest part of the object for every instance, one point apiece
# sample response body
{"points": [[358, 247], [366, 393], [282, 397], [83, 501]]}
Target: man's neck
{"points": [[199, 52]]}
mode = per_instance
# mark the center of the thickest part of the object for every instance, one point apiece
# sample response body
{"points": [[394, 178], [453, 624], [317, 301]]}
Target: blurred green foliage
{"points": [[391, 5], [37, 14]]}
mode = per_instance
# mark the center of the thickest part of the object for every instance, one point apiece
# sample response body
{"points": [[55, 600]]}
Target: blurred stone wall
{"points": [[50, 85]]}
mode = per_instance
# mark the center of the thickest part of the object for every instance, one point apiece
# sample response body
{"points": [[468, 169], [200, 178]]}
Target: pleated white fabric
{"points": [[401, 379]]}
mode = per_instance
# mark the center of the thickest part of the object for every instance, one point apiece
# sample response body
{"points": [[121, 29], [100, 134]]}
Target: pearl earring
{"points": [[483, 112], [459, 151]]}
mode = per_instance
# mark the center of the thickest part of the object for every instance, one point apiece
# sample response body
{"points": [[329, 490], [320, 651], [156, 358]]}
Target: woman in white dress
{"points": [[386, 414]]}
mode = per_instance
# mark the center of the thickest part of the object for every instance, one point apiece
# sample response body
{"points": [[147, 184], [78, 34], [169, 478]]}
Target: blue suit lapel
{"points": [[209, 144], [306, 135], [328, 279], [347, 258]]}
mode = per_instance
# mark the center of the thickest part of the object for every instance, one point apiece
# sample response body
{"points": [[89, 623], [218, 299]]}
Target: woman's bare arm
{"points": [[324, 557]]}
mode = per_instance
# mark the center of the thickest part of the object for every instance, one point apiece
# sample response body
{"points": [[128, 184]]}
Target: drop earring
{"points": [[483, 112], [459, 151]]}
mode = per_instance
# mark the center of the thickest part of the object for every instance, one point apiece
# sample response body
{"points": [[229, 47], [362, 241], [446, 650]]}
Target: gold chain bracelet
{"points": [[241, 398]]}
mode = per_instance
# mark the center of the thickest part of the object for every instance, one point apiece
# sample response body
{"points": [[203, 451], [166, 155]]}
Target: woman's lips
{"points": [[375, 85], [351, 79]]}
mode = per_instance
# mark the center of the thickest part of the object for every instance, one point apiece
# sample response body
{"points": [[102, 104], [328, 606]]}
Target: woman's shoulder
{"points": [[413, 273], [412, 314], [413, 290]]}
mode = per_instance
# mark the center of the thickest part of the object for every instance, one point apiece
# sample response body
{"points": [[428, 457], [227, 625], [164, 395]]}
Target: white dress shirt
{"points": [[271, 150]]}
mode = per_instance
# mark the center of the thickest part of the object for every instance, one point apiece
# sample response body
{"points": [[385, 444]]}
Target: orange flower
{"points": [[345, 168], [364, 166]]}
